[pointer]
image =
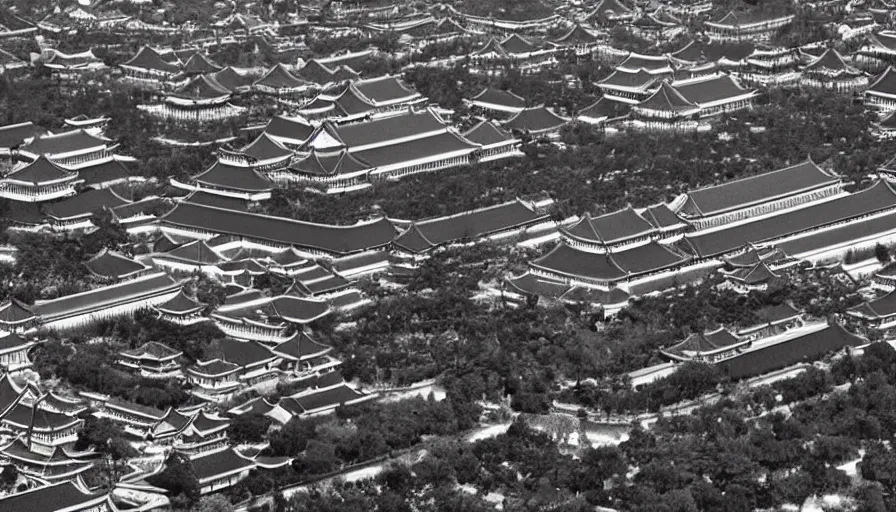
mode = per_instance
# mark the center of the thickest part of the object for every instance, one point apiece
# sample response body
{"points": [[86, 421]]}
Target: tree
{"points": [[879, 464], [178, 478], [249, 428], [883, 255], [213, 503]]}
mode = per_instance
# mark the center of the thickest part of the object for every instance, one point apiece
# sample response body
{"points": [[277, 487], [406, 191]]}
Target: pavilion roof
{"points": [[667, 99], [181, 304], [266, 148], [329, 164], [611, 228], [152, 350], [278, 77], [114, 265], [536, 120], [15, 134], [85, 204], [704, 343], [570, 261], [65, 142], [881, 307], [301, 347], [42, 171], [232, 177], [486, 133], [501, 97], [13, 312], [148, 58]]}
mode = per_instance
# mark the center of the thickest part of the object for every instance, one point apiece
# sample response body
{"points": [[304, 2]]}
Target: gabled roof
{"points": [[10, 342], [329, 238], [570, 261], [885, 83], [487, 133], [148, 58], [492, 46], [197, 253], [113, 265], [712, 89], [703, 344], [879, 308], [736, 19], [13, 312], [314, 71], [205, 423], [636, 61], [385, 89], [99, 298], [536, 120], [500, 97], [640, 79], [875, 198], [448, 26], [199, 64], [662, 217], [85, 204], [211, 466], [26, 416], [611, 228], [295, 130], [409, 124], [14, 134], [300, 347], [757, 274], [244, 353], [181, 304], [152, 350], [278, 77], [805, 348], [299, 310], [883, 40], [231, 79], [515, 43], [667, 99], [329, 164], [214, 368], [65, 142], [60, 497], [577, 35], [737, 194], [265, 148], [231, 177], [831, 61], [110, 170], [332, 397], [41, 171], [604, 108], [203, 87], [609, 8]]}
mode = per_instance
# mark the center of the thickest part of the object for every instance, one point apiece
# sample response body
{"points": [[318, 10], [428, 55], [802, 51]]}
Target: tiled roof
{"points": [[197, 253], [14, 134], [108, 296], [885, 83], [212, 465], [329, 164], [65, 142], [279, 77], [875, 198], [61, 497], [148, 58], [500, 97], [569, 261], [806, 348], [199, 63], [408, 124], [152, 350], [667, 99], [231, 79], [181, 304], [300, 347], [328, 238], [535, 120], [486, 133], [297, 130], [611, 228], [745, 192], [231, 177], [384, 89], [881, 307], [410, 150], [266, 148], [13, 311], [108, 170], [328, 398], [703, 343], [113, 265], [85, 204], [40, 171], [718, 88]]}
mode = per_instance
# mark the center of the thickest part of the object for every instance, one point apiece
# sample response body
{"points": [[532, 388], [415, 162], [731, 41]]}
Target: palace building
{"points": [[274, 234], [59, 497], [375, 97], [513, 50], [182, 310], [269, 319], [629, 87], [220, 469], [107, 302], [579, 39], [279, 81], [152, 360], [881, 92], [878, 52], [746, 26], [497, 222], [73, 149], [879, 313], [110, 266], [537, 122], [830, 71], [496, 103], [201, 100], [609, 12], [623, 229], [710, 347], [14, 353], [38, 181], [16, 317], [759, 195], [325, 76], [149, 69], [229, 180]]}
